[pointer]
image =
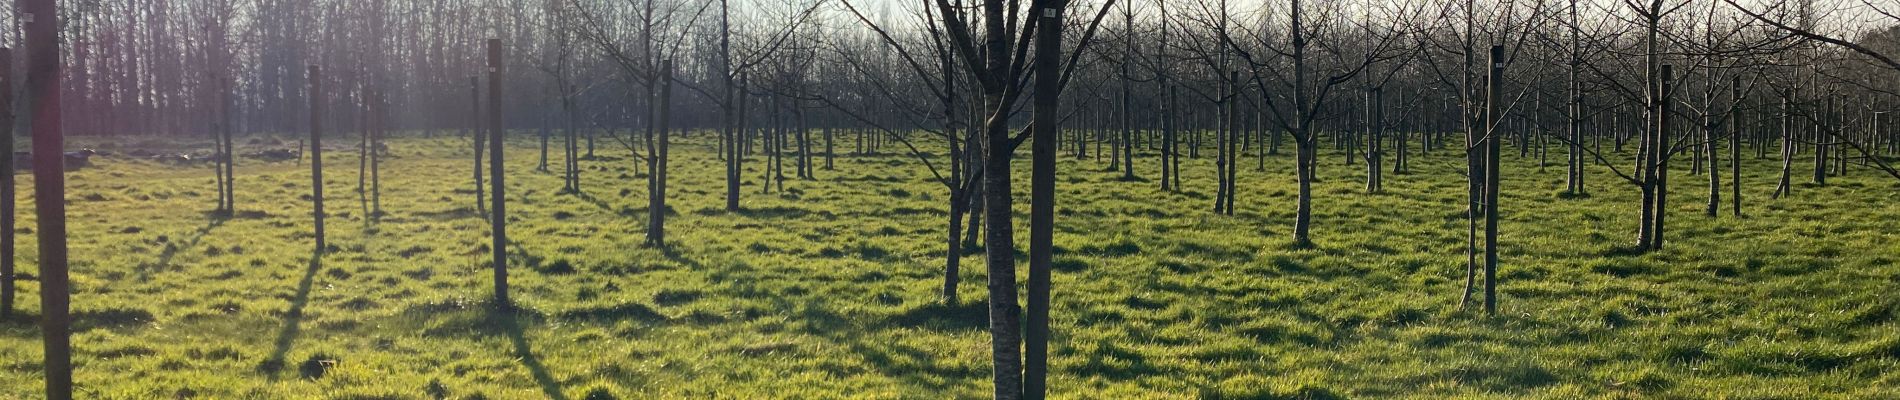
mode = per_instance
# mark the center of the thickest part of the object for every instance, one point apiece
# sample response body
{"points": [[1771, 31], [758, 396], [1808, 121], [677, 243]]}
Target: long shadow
{"points": [[590, 199], [292, 319], [509, 322], [673, 253], [165, 256]]}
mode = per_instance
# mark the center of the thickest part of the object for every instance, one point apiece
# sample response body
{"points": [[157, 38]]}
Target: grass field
{"points": [[830, 289]]}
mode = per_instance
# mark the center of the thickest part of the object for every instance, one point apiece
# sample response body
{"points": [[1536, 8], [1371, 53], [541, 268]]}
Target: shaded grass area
{"points": [[829, 289]]}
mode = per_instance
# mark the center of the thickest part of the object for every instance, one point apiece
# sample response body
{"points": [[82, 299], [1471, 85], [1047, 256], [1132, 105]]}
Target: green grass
{"points": [[829, 290]]}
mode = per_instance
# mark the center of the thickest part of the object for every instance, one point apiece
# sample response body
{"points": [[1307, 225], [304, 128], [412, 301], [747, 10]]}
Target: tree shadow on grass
{"points": [[293, 319], [1115, 363], [590, 199], [171, 250], [774, 212], [481, 320], [914, 366], [510, 322], [673, 253], [936, 316]]}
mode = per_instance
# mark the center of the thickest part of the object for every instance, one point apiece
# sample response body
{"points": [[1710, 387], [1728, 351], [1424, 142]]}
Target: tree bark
{"points": [[316, 152], [734, 131], [656, 207], [1735, 148], [1494, 108], [1787, 146], [7, 196], [477, 136], [498, 220], [1042, 199], [1662, 154], [1820, 143], [49, 190]]}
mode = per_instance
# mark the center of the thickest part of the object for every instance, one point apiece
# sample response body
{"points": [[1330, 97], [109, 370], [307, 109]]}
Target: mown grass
{"points": [[830, 289]]}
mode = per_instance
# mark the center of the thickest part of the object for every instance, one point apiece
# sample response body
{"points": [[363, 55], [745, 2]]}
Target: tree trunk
{"points": [[49, 188], [1493, 105], [1709, 138], [316, 152], [478, 136], [1127, 143], [376, 150], [735, 128], [7, 196], [1820, 143], [225, 130], [1375, 137], [953, 250], [1042, 200], [1220, 148], [999, 247], [656, 156], [1232, 152], [362, 149], [498, 219], [1787, 146], [1574, 121], [1735, 148], [1662, 154]]}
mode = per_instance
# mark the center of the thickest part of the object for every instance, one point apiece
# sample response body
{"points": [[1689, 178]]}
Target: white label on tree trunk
{"points": [[26, 18], [1051, 13]]}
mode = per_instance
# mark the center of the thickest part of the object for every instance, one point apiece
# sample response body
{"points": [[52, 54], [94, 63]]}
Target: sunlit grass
{"points": [[830, 289]]}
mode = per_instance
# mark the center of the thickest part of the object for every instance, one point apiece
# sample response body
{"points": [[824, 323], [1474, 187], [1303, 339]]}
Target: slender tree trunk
{"points": [[49, 186], [656, 208], [1710, 139], [1661, 153], [1167, 140], [362, 150], [1574, 121], [1232, 152], [953, 249], [1649, 151], [975, 159], [734, 157], [1304, 139], [478, 136], [804, 142], [225, 130], [316, 152], [1042, 200], [498, 220], [380, 116], [1820, 143], [1375, 137], [1220, 148], [1787, 146], [1127, 142], [1171, 146], [828, 146], [1735, 148], [7, 187], [1005, 315], [542, 165], [1303, 209], [1493, 105]]}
